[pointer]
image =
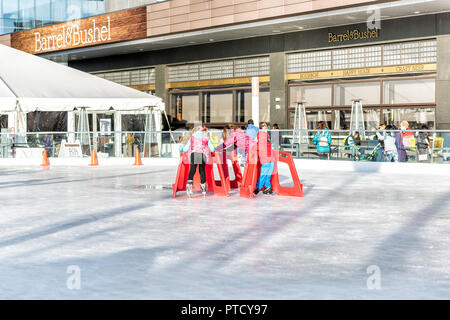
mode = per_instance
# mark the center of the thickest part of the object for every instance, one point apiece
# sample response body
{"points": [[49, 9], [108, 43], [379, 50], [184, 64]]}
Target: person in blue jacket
{"points": [[252, 130], [322, 140]]}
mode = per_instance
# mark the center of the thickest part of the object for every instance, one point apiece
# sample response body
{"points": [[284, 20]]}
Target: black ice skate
{"points": [[256, 191], [268, 191], [203, 188], [189, 188]]}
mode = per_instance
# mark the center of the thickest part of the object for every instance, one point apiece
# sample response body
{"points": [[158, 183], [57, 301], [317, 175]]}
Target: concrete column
{"points": [[278, 90], [161, 80], [443, 83]]}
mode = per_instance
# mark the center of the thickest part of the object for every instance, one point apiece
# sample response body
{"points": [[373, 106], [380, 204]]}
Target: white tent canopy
{"points": [[7, 98], [38, 84]]}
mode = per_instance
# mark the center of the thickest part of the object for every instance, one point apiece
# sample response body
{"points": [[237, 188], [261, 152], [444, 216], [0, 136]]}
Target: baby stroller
{"points": [[376, 154]]}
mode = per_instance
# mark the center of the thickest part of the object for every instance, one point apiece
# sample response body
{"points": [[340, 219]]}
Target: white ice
{"points": [[132, 240]]}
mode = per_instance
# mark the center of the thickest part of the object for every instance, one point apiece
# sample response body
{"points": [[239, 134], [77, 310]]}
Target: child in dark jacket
{"points": [[267, 158]]}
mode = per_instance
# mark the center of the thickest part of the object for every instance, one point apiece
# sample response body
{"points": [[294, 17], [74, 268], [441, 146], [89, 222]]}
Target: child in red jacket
{"points": [[267, 158]]}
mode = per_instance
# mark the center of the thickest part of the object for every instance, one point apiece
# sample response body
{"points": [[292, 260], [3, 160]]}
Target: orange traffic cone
{"points": [[45, 161], [137, 157], [94, 160]]}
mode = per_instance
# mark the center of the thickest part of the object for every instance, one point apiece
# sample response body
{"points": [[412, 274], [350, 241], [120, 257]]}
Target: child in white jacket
{"points": [[390, 148]]}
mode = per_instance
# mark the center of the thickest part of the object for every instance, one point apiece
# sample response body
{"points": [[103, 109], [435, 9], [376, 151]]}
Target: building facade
{"points": [[200, 56]]}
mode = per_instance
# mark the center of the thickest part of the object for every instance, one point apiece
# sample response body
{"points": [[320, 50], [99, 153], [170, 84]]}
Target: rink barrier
{"points": [[237, 181], [253, 170], [218, 188], [251, 174], [294, 191]]}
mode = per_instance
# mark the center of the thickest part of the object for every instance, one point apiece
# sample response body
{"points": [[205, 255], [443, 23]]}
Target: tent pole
{"points": [[168, 123]]}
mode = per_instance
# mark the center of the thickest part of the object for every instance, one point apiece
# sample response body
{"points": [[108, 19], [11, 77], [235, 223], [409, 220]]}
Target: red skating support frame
{"points": [[236, 183], [220, 188], [253, 170], [297, 189]]}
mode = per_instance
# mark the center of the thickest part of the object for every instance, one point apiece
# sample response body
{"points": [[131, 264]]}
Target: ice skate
{"points": [[256, 191], [203, 188], [189, 189], [268, 191]]}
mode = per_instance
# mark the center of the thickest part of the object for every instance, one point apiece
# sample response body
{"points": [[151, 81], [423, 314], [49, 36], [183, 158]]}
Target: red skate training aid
{"points": [[253, 170], [236, 183], [219, 188]]}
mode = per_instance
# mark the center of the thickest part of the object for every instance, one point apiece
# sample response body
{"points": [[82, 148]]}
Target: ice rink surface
{"points": [[129, 239]]}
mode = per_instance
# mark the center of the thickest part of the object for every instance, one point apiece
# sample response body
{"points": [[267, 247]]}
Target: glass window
{"points": [[74, 10], [59, 11], [3, 121], [26, 17], [217, 107], [371, 119], [190, 108], [341, 119], [43, 13], [39, 121], [314, 117], [133, 122], [409, 91], [369, 92], [414, 116], [9, 16], [243, 104], [316, 95]]}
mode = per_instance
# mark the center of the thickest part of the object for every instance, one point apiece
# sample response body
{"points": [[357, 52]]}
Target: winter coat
{"points": [[252, 131], [389, 141], [264, 148], [422, 141], [316, 140], [402, 155], [199, 142], [238, 139]]}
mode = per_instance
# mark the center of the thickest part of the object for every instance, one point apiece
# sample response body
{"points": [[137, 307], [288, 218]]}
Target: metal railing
{"points": [[167, 144]]}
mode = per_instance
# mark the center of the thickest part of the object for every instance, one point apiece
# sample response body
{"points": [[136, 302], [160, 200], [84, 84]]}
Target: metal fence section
{"points": [[368, 147]]}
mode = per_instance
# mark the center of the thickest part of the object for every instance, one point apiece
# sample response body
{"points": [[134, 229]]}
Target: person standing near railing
{"points": [[390, 147], [401, 150], [322, 140], [422, 144], [130, 142], [252, 130], [275, 136]]}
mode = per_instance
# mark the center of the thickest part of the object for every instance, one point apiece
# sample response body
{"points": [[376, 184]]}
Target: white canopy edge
{"points": [[93, 104], [7, 104]]}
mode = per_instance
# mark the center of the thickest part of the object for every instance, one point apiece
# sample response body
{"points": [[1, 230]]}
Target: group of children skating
{"points": [[199, 148]]}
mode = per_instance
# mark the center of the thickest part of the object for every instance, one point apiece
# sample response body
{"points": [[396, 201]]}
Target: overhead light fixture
{"points": [[417, 12], [211, 40], [275, 30]]}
